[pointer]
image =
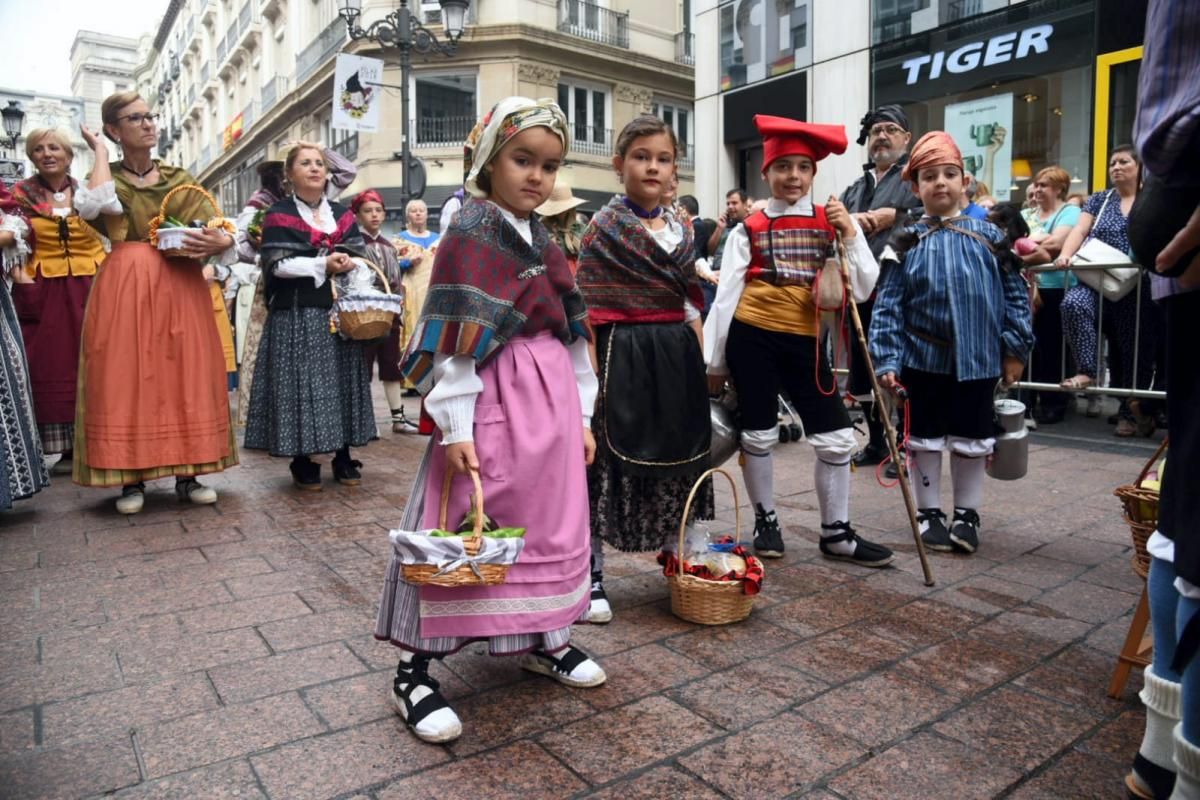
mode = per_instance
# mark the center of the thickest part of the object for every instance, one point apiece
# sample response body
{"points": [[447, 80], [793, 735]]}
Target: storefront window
{"points": [[763, 38], [1007, 132], [1014, 90]]}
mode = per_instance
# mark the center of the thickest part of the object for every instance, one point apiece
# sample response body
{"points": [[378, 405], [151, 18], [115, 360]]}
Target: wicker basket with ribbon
{"points": [[702, 601], [362, 317], [439, 557], [170, 239], [1141, 511]]}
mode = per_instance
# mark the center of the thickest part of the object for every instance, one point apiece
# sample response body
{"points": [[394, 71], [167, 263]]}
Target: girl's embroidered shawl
{"points": [[488, 285], [626, 277], [285, 234]]}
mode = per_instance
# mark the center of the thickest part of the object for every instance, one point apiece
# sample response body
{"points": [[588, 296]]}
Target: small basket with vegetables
{"points": [[479, 553], [168, 232]]}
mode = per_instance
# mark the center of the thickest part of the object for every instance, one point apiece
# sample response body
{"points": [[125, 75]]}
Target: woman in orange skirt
{"points": [[152, 387]]}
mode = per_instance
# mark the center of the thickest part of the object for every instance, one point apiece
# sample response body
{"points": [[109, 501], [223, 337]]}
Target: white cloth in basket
{"points": [[447, 554]]}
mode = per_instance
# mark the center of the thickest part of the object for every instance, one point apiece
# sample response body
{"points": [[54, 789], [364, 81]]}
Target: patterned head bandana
{"points": [[888, 113], [506, 119], [364, 197], [931, 150]]}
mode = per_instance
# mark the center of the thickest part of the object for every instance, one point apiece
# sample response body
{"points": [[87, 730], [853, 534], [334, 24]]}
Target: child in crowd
{"points": [[501, 355], [637, 273], [763, 332], [369, 211], [951, 319]]}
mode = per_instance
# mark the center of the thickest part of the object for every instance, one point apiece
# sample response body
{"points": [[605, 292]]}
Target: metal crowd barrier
{"points": [[1099, 387]]}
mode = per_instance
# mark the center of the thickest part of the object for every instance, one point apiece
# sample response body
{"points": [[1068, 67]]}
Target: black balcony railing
{"points": [[591, 140], [595, 23], [442, 131], [685, 48], [322, 48]]}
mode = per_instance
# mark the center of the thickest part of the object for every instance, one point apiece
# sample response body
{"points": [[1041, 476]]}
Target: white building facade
{"points": [[232, 80]]}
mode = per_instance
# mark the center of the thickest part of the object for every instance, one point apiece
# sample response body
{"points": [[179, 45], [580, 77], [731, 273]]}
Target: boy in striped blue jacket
{"points": [[951, 318]]}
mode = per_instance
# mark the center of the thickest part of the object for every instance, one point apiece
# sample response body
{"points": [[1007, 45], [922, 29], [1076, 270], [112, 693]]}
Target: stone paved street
{"points": [[226, 651]]}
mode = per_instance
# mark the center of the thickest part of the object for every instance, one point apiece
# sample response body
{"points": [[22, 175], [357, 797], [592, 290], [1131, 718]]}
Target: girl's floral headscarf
{"points": [[506, 119]]}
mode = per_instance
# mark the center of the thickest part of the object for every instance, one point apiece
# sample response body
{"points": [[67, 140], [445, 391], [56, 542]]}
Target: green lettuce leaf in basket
{"points": [[498, 533]]}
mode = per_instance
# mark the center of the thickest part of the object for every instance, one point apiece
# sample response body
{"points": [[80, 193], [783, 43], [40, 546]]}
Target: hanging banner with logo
{"points": [[356, 95], [983, 131]]}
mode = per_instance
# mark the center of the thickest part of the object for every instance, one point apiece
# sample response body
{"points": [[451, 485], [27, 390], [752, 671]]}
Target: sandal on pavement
{"points": [[571, 667], [192, 490], [418, 700], [132, 498]]}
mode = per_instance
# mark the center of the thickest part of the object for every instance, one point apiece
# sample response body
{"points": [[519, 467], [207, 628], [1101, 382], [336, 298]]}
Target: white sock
{"points": [[927, 478], [394, 391], [1187, 768], [759, 473], [966, 475], [832, 482], [1163, 701]]}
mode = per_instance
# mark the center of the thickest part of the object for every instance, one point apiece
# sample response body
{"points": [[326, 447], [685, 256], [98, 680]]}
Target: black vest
{"points": [[297, 293]]}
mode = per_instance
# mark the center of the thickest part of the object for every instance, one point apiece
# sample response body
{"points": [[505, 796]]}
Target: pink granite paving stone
{"points": [[227, 652]]}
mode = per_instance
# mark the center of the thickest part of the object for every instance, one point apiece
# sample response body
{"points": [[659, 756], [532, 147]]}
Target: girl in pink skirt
{"points": [[500, 353]]}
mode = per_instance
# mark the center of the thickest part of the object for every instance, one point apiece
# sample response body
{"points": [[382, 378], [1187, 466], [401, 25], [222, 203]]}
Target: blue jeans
{"points": [[1169, 614]]}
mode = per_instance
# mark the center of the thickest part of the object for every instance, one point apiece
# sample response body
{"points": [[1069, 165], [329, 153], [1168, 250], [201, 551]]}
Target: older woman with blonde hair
{"points": [[1050, 221], [51, 291], [154, 401]]}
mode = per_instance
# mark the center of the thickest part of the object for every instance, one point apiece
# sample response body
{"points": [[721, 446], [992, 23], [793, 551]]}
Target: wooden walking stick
{"points": [[881, 407]]}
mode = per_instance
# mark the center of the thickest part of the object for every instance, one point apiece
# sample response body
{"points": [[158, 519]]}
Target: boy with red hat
{"points": [[951, 319], [763, 332]]}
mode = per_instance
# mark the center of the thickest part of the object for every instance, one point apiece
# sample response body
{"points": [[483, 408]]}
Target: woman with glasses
{"points": [[154, 401], [66, 254]]}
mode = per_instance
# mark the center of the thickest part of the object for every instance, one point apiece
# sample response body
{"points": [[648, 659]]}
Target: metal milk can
{"points": [[1010, 457]]}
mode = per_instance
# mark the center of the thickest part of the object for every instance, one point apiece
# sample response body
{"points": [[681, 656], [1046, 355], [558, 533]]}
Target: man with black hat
{"points": [[879, 200]]}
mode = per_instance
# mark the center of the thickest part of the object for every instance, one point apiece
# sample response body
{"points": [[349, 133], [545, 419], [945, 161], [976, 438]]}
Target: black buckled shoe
{"points": [[874, 453], [964, 533], [867, 554], [418, 700], [306, 474], [346, 470], [934, 533], [768, 538]]}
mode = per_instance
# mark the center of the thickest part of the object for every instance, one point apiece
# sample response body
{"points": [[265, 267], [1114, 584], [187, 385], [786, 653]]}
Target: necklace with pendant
{"points": [[58, 194], [141, 176]]}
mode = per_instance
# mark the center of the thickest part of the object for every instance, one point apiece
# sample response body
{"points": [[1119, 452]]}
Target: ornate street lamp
{"points": [[402, 30], [14, 118]]}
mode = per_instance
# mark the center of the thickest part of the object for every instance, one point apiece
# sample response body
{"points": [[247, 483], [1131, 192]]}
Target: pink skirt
{"points": [[529, 439]]}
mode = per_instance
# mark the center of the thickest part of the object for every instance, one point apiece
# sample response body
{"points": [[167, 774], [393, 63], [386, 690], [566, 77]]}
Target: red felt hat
{"points": [[789, 137]]}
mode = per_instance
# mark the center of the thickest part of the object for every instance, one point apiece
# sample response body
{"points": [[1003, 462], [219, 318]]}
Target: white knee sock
{"points": [[833, 491], [967, 474], [1187, 768], [927, 478], [394, 390], [759, 473], [1163, 700]]}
